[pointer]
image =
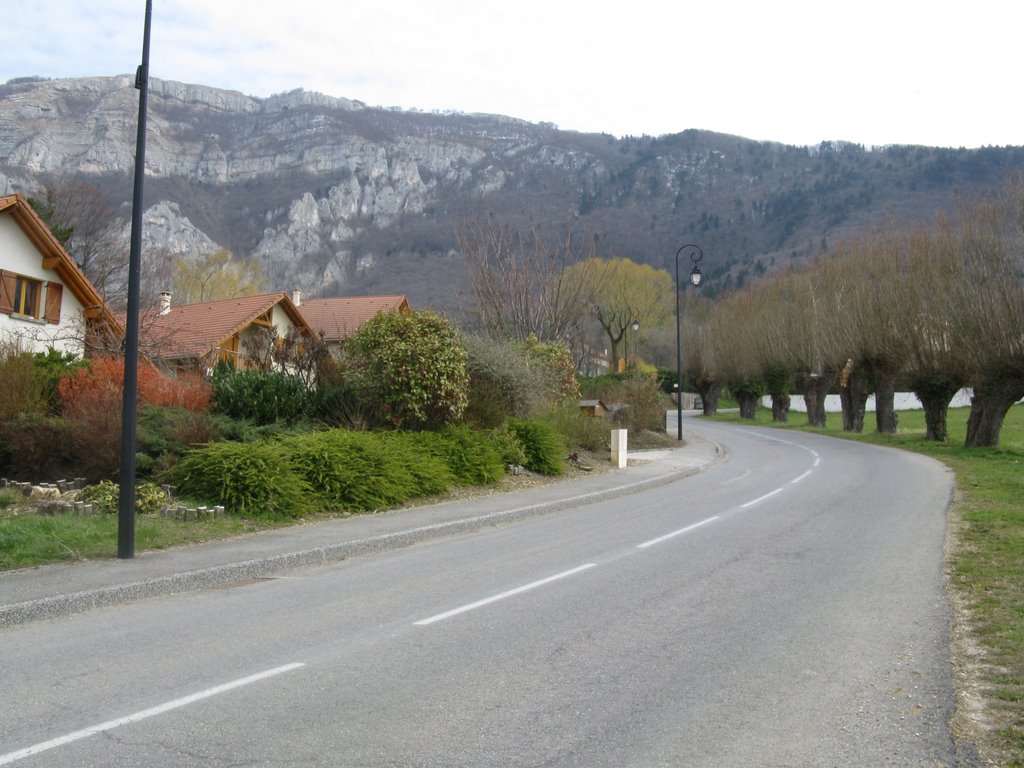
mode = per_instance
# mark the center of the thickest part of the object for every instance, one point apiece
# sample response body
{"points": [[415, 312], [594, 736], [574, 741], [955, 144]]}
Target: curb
{"points": [[232, 573]]}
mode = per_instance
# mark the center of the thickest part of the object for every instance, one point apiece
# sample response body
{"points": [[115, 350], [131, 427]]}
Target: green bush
{"points": [[252, 479], [471, 457], [353, 471], [520, 379], [262, 397], [52, 367], [409, 369], [508, 446], [165, 434], [545, 448], [581, 430]]}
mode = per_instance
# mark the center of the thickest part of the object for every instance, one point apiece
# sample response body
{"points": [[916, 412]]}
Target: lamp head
{"points": [[695, 276]]}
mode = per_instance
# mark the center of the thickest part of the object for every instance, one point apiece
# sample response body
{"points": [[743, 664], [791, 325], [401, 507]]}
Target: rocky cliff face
{"points": [[333, 196]]}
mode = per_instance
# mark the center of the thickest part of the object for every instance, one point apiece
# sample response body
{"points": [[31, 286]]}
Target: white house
{"points": [[45, 298]]}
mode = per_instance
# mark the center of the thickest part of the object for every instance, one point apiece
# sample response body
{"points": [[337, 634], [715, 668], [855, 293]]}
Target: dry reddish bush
{"points": [[92, 405]]}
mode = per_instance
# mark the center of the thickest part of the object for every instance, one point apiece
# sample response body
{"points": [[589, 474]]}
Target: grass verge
{"points": [[985, 563]]}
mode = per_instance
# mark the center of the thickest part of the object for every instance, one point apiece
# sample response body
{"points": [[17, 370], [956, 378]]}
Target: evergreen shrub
{"points": [[250, 479], [262, 397], [544, 446]]}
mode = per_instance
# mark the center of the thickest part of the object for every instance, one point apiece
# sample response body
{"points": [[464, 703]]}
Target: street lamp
{"points": [[696, 254], [636, 340]]}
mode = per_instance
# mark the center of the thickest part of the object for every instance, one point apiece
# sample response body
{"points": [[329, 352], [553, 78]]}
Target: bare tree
{"points": [[520, 282], [990, 300]]}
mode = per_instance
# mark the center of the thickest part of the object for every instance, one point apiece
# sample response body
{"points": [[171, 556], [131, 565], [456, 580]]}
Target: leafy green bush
{"points": [[545, 448], [149, 497], [262, 397], [409, 369], [254, 479]]}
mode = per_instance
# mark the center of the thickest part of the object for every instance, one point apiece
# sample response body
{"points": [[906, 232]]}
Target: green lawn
{"points": [[986, 561]]}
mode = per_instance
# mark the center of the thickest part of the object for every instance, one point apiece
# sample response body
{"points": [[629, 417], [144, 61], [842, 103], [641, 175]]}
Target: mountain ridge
{"points": [[333, 196]]}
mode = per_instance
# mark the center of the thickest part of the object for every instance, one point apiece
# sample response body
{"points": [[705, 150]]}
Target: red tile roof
{"points": [[340, 317], [194, 330]]}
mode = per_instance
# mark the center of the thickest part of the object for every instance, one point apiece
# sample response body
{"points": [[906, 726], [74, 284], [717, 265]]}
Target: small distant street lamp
{"points": [[636, 342], [696, 254]]}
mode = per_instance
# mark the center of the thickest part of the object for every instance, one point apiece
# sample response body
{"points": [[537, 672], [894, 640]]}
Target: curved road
{"points": [[783, 608]]}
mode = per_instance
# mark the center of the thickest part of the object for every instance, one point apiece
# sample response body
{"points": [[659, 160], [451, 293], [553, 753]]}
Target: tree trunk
{"points": [[935, 395], [748, 405], [815, 389], [709, 392], [780, 407], [886, 418], [992, 399], [854, 398]]}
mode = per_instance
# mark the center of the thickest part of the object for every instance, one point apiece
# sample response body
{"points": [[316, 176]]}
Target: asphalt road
{"points": [[784, 608]]}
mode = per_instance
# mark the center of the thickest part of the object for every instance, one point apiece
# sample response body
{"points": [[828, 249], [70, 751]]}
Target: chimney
{"points": [[297, 297], [165, 303]]}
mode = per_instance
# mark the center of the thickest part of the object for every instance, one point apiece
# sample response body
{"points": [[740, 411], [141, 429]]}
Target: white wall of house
{"points": [[19, 255]]}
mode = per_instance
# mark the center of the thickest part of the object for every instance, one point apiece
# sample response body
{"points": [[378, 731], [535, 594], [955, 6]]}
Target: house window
{"points": [[26, 296], [30, 297]]}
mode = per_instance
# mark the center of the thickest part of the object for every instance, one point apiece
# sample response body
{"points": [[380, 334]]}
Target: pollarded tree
{"points": [[409, 369], [989, 323], [937, 367], [700, 351]]}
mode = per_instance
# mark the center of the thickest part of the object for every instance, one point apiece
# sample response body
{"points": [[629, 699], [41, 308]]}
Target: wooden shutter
{"points": [[8, 287], [54, 293]]}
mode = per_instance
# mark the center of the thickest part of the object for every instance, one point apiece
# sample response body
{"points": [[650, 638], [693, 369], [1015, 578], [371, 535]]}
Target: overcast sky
{"points": [[932, 72]]}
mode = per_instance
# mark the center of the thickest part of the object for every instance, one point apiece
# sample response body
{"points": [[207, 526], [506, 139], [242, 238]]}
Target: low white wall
{"points": [[904, 401]]}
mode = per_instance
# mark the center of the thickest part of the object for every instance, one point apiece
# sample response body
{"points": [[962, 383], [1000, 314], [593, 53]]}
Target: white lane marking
{"points": [[736, 479], [760, 498], [110, 725], [672, 535], [796, 480], [503, 595]]}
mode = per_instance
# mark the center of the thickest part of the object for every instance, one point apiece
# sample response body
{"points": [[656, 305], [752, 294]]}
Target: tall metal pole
{"points": [[126, 498], [696, 256]]}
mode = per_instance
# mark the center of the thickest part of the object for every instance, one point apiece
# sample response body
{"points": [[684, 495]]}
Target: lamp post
{"points": [[696, 254], [636, 340]]}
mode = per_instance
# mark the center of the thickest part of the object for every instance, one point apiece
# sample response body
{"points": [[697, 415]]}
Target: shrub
{"points": [[409, 368], [545, 448], [254, 479], [165, 434], [259, 396], [508, 446], [53, 367], [23, 386], [360, 472], [470, 455], [149, 497], [581, 430], [502, 382], [35, 448]]}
